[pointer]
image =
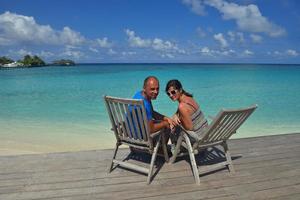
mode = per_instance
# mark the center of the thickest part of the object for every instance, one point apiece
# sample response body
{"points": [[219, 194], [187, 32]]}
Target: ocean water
{"points": [[61, 108]]}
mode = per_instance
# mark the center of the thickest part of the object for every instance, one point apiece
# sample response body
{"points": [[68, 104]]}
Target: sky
{"points": [[152, 31]]}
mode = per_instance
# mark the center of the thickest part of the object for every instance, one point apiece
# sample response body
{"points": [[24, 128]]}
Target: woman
{"points": [[188, 114]]}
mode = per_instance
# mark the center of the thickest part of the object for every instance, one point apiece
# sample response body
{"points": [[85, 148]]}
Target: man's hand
{"points": [[172, 123]]}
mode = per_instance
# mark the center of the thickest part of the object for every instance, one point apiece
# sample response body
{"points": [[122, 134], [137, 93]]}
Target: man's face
{"points": [[151, 89]]}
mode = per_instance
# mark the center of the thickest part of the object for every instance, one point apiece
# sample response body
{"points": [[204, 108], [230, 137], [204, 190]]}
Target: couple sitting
{"points": [[188, 114]]}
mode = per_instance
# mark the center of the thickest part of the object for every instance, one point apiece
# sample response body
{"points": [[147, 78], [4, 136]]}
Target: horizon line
{"points": [[208, 63]]}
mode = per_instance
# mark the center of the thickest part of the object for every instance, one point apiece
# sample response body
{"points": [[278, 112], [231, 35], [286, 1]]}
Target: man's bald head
{"points": [[148, 79], [151, 87]]}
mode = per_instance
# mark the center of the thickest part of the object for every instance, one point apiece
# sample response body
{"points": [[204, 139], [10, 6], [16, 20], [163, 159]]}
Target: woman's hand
{"points": [[176, 119], [171, 122]]}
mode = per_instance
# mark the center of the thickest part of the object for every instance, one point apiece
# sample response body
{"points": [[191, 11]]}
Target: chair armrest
{"points": [[155, 134]]}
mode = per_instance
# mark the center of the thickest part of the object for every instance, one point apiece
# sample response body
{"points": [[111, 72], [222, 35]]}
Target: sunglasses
{"points": [[173, 92]]}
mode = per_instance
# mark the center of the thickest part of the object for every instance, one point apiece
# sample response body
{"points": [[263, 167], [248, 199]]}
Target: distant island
{"points": [[63, 62], [32, 61]]}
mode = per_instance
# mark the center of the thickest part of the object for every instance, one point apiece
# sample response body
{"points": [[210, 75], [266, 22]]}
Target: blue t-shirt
{"points": [[147, 104]]}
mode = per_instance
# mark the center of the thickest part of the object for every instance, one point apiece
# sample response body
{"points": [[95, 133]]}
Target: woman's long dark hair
{"points": [[177, 85]]}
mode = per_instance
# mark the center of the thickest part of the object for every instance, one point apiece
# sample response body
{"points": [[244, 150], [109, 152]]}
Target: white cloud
{"points": [[5, 41], [220, 38], [73, 52], [288, 52], [159, 44], [231, 35], [239, 36], [248, 52], [18, 28], [135, 41], [93, 50], [227, 52], [292, 52], [256, 38], [23, 52], [210, 52], [248, 18], [46, 54], [104, 43], [128, 53], [196, 6], [68, 36], [15, 29], [111, 52], [277, 53], [167, 55], [71, 47], [201, 32], [156, 44], [205, 50]]}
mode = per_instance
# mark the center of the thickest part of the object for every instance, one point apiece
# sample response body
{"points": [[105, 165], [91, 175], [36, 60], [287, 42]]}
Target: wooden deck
{"points": [[266, 168]]}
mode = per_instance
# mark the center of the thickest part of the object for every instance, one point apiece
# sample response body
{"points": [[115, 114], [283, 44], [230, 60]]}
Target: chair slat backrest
{"points": [[129, 120], [226, 123]]}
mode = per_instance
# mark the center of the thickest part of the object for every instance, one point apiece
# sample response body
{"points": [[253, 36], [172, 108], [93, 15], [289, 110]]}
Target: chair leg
{"points": [[114, 156], [153, 158], [177, 149], [192, 158], [228, 157], [164, 146]]}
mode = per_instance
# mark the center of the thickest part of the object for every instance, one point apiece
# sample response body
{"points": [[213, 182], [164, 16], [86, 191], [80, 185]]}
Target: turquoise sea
{"points": [[61, 108]]}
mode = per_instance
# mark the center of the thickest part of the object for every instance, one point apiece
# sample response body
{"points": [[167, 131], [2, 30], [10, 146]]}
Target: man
{"points": [[150, 92]]}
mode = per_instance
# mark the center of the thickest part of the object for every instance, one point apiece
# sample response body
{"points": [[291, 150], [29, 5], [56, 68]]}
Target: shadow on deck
{"points": [[266, 168]]}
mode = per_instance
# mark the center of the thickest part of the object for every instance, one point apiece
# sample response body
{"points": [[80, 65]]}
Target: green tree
{"points": [[4, 60], [27, 60], [33, 61], [37, 61]]}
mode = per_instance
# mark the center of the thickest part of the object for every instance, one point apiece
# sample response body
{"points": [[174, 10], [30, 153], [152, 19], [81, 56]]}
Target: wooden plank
{"points": [[266, 168], [131, 131], [132, 166], [80, 163], [255, 162]]}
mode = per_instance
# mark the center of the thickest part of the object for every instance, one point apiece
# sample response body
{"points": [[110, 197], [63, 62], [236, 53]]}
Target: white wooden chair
{"points": [[130, 126], [216, 133]]}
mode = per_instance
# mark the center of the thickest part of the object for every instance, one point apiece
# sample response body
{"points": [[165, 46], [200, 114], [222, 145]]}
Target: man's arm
{"points": [[156, 126], [158, 116]]}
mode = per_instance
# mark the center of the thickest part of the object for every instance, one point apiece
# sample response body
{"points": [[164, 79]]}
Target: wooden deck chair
{"points": [[216, 133], [130, 126]]}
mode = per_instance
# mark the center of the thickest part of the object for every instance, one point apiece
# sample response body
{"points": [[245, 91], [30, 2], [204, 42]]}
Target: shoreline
{"points": [[10, 148], [44, 137]]}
